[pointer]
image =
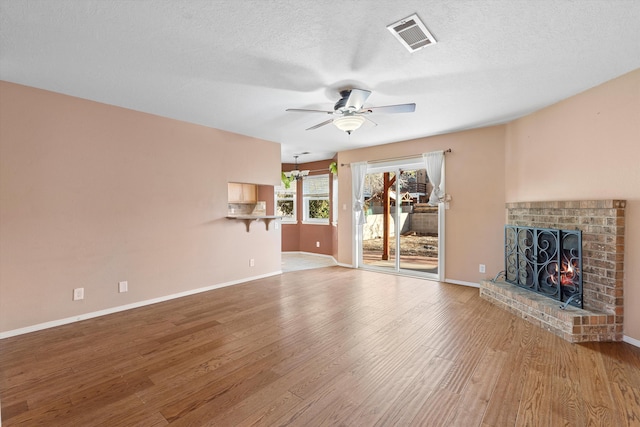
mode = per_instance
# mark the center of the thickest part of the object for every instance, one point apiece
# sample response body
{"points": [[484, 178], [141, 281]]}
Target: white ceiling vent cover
{"points": [[412, 33]]}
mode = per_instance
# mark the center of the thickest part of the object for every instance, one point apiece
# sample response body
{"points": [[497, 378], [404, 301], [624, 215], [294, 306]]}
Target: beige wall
{"points": [[93, 194], [474, 179], [585, 147]]}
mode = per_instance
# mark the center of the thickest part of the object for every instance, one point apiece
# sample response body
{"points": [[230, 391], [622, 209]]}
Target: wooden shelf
{"points": [[248, 219]]}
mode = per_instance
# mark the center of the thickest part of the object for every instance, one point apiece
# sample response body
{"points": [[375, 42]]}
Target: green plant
{"points": [[286, 180], [333, 168]]}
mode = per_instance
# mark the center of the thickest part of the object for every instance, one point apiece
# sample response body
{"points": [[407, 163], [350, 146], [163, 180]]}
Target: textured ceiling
{"points": [[237, 64]]}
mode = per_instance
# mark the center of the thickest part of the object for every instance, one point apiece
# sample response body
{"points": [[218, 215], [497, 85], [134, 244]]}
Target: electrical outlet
{"points": [[78, 294], [317, 244], [483, 268], [123, 286], [252, 262]]}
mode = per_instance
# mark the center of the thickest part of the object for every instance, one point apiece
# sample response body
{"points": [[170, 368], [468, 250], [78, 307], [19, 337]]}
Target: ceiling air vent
{"points": [[412, 33]]}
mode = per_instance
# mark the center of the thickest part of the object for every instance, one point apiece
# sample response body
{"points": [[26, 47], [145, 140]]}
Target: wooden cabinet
{"points": [[242, 193]]}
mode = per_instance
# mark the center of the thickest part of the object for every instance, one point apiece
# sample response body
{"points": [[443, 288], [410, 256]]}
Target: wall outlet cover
{"points": [[123, 286]]}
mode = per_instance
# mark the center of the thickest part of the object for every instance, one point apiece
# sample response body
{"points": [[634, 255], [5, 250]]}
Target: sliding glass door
{"points": [[379, 242], [402, 234]]}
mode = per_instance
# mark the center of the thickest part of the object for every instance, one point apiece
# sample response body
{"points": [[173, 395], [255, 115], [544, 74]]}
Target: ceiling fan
{"points": [[350, 112]]}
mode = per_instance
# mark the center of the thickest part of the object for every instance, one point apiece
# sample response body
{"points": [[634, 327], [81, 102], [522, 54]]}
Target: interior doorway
{"points": [[403, 234]]}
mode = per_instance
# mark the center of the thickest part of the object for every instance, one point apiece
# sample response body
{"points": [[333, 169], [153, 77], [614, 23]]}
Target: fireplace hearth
{"points": [[545, 260], [600, 226]]}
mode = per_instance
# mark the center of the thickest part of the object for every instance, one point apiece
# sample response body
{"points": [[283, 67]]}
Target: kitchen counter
{"points": [[248, 219]]}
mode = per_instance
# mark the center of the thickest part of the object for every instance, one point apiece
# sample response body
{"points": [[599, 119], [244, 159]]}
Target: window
{"points": [[286, 203], [315, 193], [334, 199]]}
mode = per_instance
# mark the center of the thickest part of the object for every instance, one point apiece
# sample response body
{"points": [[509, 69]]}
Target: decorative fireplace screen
{"points": [[546, 261]]}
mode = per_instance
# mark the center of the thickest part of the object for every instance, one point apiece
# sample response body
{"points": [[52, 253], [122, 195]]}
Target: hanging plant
{"points": [[286, 180], [333, 168]]}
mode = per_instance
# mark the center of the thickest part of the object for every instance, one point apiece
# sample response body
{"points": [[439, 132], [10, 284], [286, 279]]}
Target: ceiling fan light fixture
{"points": [[296, 173], [349, 123]]}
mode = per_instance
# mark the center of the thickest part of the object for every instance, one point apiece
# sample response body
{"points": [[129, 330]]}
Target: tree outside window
{"points": [[286, 203]]}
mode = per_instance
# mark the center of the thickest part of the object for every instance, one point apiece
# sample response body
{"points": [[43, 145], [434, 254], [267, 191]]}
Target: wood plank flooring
{"points": [[322, 347]]}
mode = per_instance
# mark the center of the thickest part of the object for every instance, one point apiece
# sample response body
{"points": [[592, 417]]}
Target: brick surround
{"points": [[602, 225]]}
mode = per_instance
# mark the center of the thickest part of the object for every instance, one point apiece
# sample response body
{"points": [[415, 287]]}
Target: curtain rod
{"points": [[314, 170], [394, 158]]}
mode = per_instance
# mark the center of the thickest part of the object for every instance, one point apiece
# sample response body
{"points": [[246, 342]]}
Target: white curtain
{"points": [[434, 162], [358, 172]]}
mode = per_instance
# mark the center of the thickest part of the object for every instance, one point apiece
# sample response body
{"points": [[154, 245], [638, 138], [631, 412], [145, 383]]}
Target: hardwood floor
{"points": [[330, 346]]}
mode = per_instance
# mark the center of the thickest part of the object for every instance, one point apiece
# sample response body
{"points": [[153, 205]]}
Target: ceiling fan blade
{"points": [[326, 122], [390, 109], [303, 110], [357, 97]]}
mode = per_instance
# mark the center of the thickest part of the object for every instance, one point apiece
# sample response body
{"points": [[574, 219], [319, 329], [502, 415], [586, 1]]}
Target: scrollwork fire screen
{"points": [[546, 261]]}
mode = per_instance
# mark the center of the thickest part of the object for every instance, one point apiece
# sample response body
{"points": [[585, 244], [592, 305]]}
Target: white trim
{"points": [[335, 204], [356, 243], [85, 316], [317, 222], [415, 274], [342, 264], [405, 163], [294, 199], [309, 253], [441, 239], [308, 197], [631, 341], [460, 282], [339, 264], [318, 255]]}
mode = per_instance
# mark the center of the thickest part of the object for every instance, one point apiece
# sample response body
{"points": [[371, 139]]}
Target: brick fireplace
{"points": [[602, 226]]}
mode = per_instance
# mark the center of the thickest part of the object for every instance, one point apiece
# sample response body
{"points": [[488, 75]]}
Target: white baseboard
{"points": [[460, 282], [85, 316], [318, 255], [309, 253], [341, 264], [631, 341]]}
